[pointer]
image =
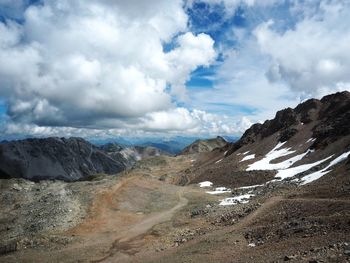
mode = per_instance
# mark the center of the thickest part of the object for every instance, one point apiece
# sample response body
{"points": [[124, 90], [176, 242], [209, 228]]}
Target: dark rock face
{"points": [[308, 110], [330, 115], [55, 158], [334, 119], [284, 119]]}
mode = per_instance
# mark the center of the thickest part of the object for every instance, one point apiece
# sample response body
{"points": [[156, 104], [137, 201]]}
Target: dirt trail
{"points": [[119, 252], [109, 228], [147, 223]]}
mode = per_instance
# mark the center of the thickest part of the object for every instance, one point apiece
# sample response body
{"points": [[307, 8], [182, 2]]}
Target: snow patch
{"points": [[205, 184], [249, 186], [246, 152], [311, 140], [264, 164], [287, 173], [248, 157], [220, 190], [317, 175], [218, 161], [225, 152], [240, 199]]}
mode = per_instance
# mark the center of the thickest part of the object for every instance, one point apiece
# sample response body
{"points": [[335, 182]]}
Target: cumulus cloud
{"points": [[313, 58], [242, 84], [178, 121], [115, 67], [97, 64], [280, 63]]}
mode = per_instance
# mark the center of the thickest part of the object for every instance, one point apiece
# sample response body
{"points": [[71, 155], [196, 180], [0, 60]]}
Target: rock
{"points": [[287, 258], [8, 248], [347, 252], [16, 187]]}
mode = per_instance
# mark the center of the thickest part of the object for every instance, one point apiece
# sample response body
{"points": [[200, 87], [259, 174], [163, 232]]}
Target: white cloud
{"points": [[314, 57], [242, 83], [97, 63], [191, 52]]}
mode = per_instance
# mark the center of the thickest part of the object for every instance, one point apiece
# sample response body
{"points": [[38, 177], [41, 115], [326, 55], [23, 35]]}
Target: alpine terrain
{"points": [[281, 193]]}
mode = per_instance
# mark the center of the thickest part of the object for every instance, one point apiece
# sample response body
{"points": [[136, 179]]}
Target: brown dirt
{"points": [[131, 218]]}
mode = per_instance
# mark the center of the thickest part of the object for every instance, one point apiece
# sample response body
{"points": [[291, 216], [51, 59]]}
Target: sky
{"points": [[107, 68]]}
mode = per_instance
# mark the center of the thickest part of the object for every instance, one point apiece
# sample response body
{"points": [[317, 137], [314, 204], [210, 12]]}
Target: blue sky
{"points": [[103, 69]]}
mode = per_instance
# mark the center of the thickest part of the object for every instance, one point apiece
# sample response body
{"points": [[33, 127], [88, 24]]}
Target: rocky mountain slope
{"points": [[55, 158], [297, 143], [208, 145]]}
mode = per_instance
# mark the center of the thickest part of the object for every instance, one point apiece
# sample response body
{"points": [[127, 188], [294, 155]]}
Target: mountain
{"points": [[299, 145], [56, 158], [207, 145]]}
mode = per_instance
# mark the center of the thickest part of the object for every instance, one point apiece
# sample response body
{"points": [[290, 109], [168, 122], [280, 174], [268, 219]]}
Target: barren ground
{"points": [[141, 216]]}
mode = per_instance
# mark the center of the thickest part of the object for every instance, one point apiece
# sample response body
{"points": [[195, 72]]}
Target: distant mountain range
{"points": [[172, 145], [75, 158]]}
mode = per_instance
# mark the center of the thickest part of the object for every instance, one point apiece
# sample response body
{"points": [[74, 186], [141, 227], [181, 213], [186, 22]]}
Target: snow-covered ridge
{"points": [[316, 175], [284, 169], [290, 172], [264, 164]]}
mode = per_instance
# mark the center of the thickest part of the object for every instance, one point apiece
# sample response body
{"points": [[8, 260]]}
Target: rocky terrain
{"points": [[279, 194]]}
